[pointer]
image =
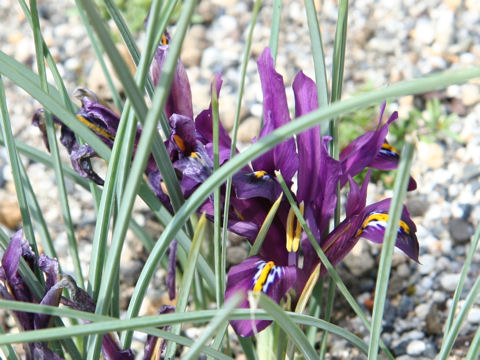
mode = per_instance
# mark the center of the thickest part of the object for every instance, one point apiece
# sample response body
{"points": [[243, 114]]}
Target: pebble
{"points": [[433, 322], [421, 310], [474, 316], [10, 215], [449, 282], [460, 230], [416, 347], [248, 129], [427, 264], [359, 260], [236, 254], [417, 207]]}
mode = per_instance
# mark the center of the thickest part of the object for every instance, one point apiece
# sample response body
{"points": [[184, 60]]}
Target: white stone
{"points": [[359, 260], [427, 264], [416, 347], [474, 316], [422, 310], [449, 281]]}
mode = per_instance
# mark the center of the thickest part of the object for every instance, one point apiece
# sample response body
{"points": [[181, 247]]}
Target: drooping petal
{"points": [[80, 299], [80, 157], [362, 151], [97, 116], [51, 298], [237, 223], [282, 157], [374, 224], [387, 159], [257, 274]]}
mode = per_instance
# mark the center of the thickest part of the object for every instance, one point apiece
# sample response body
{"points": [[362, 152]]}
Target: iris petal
{"points": [[282, 157], [258, 274]]}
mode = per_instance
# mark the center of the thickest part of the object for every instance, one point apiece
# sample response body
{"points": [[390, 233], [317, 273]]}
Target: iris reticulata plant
{"points": [[284, 195]]}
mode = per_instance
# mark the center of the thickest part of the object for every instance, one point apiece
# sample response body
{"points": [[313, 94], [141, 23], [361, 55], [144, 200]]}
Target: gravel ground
{"points": [[387, 42]]}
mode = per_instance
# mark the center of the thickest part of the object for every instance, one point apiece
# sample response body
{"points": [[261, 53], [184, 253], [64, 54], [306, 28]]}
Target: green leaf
{"points": [[286, 323], [383, 275]]}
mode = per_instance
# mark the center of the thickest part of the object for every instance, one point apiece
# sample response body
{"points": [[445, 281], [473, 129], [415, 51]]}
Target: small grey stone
{"points": [[359, 260], [406, 305], [236, 254], [470, 171], [417, 207], [460, 230], [416, 347], [430, 349], [400, 348]]}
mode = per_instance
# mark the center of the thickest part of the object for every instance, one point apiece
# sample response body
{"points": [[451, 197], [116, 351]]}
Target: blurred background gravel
{"points": [[388, 41]]}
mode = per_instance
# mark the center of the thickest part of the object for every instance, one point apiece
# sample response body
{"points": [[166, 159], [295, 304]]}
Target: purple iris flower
{"points": [[372, 150], [286, 258], [103, 121], [15, 288]]}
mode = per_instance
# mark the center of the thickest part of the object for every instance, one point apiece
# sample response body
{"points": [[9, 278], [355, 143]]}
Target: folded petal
{"points": [[97, 116], [183, 135], [16, 249], [257, 274], [180, 98]]}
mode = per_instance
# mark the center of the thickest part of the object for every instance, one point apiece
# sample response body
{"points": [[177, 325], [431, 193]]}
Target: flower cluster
{"points": [[286, 258]]}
